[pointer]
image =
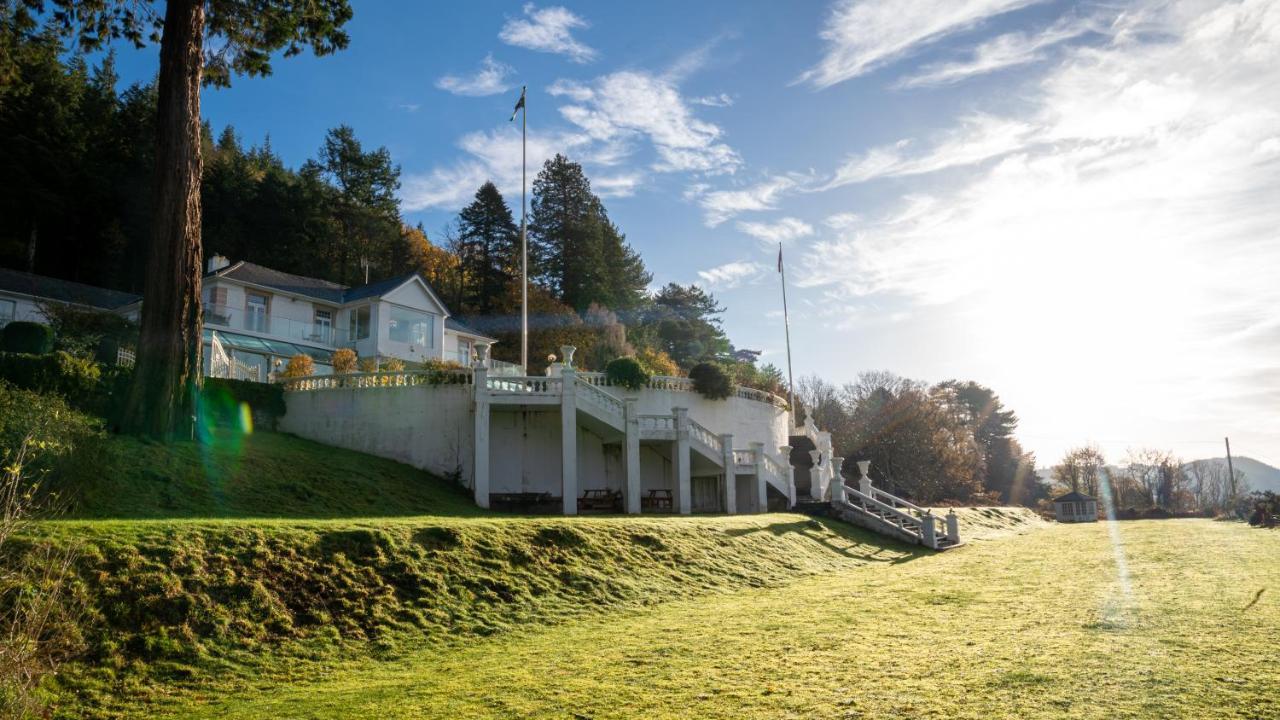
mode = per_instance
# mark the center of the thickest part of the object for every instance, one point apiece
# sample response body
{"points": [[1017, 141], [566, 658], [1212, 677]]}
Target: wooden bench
{"points": [[520, 500], [659, 499], [607, 500]]}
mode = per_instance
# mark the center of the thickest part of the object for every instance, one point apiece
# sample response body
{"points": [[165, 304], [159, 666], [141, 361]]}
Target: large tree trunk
{"points": [[167, 376]]}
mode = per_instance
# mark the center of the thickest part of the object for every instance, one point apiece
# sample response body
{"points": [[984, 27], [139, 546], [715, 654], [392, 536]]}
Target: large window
{"points": [[412, 327], [255, 312], [323, 331], [360, 323]]}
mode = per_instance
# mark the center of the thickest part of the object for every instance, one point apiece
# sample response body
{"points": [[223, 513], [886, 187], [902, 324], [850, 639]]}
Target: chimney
{"points": [[217, 262]]}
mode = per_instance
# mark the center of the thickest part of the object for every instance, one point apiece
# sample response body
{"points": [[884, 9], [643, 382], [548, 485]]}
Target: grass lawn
{"points": [[1151, 619]]}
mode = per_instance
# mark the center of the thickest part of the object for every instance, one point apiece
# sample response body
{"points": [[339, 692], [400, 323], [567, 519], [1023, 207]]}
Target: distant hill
{"points": [[1260, 475]]}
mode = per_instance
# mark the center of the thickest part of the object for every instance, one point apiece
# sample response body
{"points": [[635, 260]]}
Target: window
{"points": [[464, 351], [255, 312], [360, 323], [324, 326], [412, 327]]}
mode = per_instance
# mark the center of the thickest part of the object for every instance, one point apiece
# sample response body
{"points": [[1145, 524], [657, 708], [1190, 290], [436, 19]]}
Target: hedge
{"points": [[626, 372], [710, 381], [27, 337], [61, 373], [221, 398]]}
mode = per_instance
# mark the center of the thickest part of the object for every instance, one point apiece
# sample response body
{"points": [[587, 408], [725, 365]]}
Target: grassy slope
{"points": [[260, 475], [1044, 625]]}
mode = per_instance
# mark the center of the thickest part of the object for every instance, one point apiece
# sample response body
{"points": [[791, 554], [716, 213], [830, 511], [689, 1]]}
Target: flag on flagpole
{"points": [[779, 257], [519, 104]]}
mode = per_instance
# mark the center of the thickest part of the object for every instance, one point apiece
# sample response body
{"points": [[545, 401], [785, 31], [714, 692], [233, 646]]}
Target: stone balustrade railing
{"points": [[530, 384], [601, 399], [657, 422], [701, 434], [384, 378], [683, 384], [744, 457], [773, 467]]}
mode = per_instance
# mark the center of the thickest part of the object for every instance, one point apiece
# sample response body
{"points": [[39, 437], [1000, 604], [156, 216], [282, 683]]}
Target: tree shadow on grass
{"points": [[865, 545]]}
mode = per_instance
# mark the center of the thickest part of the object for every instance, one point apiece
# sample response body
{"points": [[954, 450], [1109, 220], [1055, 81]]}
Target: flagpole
{"points": [[786, 323], [524, 244]]}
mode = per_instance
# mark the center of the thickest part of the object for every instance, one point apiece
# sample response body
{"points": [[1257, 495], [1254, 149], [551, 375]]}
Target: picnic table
{"points": [[597, 499], [659, 499]]}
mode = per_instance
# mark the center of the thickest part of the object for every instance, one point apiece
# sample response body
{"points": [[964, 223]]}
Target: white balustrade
{"points": [[602, 400], [381, 379], [701, 434]]}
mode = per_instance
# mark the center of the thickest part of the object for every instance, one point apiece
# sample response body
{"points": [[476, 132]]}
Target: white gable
{"points": [[414, 293]]}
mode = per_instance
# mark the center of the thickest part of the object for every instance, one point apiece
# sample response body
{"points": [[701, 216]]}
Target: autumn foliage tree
{"points": [[246, 35]]}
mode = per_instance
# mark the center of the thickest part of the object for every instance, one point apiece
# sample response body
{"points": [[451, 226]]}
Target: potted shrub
{"points": [[300, 366], [344, 361]]}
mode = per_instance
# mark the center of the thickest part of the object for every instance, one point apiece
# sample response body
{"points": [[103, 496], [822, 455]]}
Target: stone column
{"points": [[568, 442], [864, 479], [762, 485], [480, 433], [928, 533], [680, 460], [730, 475], [631, 456], [953, 527], [837, 478], [784, 451]]}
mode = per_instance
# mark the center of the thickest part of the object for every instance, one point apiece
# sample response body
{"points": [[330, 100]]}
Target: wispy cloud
{"points": [[998, 53], [629, 104], [721, 205], [549, 30], [784, 230], [624, 185], [1130, 207], [490, 79], [862, 35], [840, 221], [731, 275], [721, 100], [978, 138]]}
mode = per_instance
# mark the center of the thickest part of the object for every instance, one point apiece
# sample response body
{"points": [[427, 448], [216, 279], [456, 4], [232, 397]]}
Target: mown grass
{"points": [[1044, 624]]}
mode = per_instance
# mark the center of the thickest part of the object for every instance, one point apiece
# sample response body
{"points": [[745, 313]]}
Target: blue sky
{"points": [[1074, 203]]}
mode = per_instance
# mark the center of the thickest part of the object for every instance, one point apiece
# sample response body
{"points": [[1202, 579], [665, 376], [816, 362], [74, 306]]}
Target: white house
{"points": [[1075, 507], [23, 296], [262, 317]]}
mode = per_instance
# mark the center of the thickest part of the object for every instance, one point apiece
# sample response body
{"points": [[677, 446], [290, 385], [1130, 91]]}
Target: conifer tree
{"points": [[488, 246]]}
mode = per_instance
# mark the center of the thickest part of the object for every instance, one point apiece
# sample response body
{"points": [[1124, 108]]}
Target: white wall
{"points": [[428, 427], [748, 420], [25, 308]]}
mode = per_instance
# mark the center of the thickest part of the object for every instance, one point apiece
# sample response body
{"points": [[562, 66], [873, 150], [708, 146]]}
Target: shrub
{"points": [[27, 337], [89, 333], [710, 381], [344, 361], [626, 372], [59, 372], [657, 362], [393, 365], [369, 365], [220, 401], [300, 365], [49, 421]]}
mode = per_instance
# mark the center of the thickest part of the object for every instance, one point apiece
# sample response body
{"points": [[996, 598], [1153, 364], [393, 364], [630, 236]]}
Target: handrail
{"points": [[703, 435], [657, 422], [773, 466], [602, 399], [744, 457], [903, 518], [895, 501], [382, 378]]}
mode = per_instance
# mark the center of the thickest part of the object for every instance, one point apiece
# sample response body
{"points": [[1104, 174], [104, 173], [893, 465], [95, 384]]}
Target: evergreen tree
{"points": [[488, 247]]}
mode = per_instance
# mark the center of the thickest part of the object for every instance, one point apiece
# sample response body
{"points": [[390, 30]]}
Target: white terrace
{"points": [[573, 442]]}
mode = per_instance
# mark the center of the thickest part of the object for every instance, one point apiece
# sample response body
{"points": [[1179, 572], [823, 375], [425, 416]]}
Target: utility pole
{"points": [[1231, 471]]}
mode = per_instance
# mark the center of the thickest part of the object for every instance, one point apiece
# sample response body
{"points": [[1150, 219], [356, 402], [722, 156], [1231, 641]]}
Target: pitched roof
{"points": [[64, 290], [454, 325], [256, 274], [381, 287], [1073, 496]]}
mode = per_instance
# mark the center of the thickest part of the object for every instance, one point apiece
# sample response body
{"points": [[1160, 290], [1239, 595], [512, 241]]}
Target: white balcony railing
{"points": [[231, 318]]}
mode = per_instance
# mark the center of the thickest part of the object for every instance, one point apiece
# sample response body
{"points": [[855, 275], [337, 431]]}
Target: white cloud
{"points": [[731, 275], [721, 100], [784, 230], [493, 155], [490, 79], [629, 104], [548, 29], [721, 205], [840, 221], [1114, 261], [979, 138], [624, 185], [998, 53], [862, 35]]}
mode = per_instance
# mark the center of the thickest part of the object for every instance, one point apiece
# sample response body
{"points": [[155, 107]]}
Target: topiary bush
{"points": [[61, 373], [300, 366], [27, 337], [626, 372], [710, 381], [344, 361]]}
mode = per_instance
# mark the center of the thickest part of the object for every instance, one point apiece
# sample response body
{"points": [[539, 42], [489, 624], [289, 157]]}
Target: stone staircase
{"points": [[874, 509]]}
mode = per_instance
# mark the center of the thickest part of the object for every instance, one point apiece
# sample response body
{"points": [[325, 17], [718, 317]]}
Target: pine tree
{"points": [[488, 246]]}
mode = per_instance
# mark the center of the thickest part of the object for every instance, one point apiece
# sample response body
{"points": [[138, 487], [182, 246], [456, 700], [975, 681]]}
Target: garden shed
{"points": [[1075, 507]]}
